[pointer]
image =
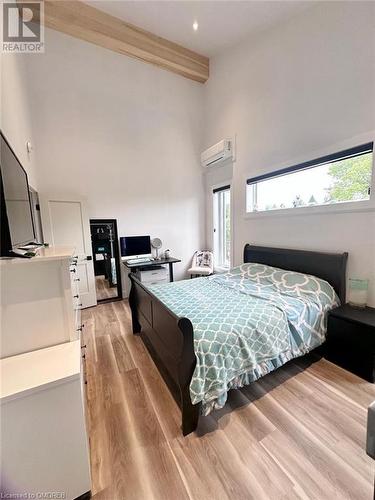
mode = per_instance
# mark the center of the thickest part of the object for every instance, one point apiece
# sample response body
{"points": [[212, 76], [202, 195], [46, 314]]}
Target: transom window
{"points": [[337, 178]]}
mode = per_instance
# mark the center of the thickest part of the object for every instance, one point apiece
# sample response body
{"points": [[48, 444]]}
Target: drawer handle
{"points": [[83, 346], [75, 296], [77, 279], [73, 270], [79, 305]]}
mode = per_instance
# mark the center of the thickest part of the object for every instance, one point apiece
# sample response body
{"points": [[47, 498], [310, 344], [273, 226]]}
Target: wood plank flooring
{"points": [[297, 433], [103, 290]]}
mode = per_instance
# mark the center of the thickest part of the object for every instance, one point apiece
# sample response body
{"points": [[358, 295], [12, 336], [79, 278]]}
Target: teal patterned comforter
{"points": [[247, 323]]}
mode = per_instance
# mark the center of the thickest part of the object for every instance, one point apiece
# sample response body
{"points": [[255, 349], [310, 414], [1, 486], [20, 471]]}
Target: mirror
{"points": [[106, 259]]}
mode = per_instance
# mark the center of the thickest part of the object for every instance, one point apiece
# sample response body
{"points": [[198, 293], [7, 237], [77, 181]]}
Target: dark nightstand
{"points": [[351, 340]]}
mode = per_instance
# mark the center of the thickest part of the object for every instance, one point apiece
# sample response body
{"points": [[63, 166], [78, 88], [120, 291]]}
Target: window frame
{"points": [[218, 266], [345, 206]]}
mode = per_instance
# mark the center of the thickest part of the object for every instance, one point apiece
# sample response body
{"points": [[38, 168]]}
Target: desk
{"points": [[153, 263]]}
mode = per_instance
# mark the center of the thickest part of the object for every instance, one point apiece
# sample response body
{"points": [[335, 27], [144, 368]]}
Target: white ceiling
{"points": [[221, 23]]}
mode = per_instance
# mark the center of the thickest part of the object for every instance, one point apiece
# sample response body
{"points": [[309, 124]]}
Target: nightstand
{"points": [[351, 340]]}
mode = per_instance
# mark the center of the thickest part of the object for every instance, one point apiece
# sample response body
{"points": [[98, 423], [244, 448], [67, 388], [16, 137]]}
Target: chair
{"points": [[202, 264]]}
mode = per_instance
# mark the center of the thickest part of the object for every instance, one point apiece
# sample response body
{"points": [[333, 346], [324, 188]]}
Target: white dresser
{"points": [[44, 448], [44, 445], [39, 301]]}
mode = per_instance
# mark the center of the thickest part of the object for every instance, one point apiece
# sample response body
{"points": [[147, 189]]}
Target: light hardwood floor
{"points": [[297, 433], [103, 290]]}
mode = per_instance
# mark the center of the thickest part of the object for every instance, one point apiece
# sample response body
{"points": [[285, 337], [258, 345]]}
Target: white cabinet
{"points": [[39, 301], [44, 446], [153, 276]]}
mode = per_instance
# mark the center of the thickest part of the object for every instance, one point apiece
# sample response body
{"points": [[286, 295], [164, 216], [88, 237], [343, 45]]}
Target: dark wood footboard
{"points": [[169, 339]]}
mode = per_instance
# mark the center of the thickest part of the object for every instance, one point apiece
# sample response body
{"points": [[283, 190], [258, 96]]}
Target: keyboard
{"points": [[142, 260]]}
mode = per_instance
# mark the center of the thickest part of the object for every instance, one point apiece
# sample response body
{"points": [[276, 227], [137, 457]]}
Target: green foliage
{"points": [[351, 178]]}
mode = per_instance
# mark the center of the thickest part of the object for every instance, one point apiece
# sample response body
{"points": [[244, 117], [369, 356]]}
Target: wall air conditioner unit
{"points": [[218, 153]]}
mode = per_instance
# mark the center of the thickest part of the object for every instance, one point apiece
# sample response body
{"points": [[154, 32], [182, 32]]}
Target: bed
{"points": [[209, 335]]}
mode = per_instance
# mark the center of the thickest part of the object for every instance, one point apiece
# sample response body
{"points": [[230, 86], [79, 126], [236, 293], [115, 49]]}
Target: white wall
{"points": [[297, 90], [15, 113], [124, 134]]}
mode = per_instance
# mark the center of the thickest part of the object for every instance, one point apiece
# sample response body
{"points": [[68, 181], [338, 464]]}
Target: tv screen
{"points": [[16, 197], [135, 245]]}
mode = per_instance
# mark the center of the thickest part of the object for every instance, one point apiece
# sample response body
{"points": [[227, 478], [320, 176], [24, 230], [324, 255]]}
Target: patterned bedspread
{"points": [[247, 323]]}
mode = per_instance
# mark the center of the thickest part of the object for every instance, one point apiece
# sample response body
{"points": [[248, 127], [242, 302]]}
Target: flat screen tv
{"points": [[17, 226], [135, 246]]}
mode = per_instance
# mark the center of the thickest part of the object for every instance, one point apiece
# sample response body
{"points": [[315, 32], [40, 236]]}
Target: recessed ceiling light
{"points": [[195, 25]]}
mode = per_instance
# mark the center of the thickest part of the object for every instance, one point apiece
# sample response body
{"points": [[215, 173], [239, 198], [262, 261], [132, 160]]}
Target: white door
{"points": [[65, 222]]}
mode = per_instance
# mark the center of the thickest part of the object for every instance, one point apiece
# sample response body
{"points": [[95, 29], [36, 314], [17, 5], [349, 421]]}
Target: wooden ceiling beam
{"points": [[83, 21]]}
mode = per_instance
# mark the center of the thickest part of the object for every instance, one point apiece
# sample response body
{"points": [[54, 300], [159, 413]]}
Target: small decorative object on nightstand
{"points": [[358, 289], [351, 340]]}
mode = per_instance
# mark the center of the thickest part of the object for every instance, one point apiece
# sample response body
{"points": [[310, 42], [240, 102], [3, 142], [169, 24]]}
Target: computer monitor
{"points": [[134, 247]]}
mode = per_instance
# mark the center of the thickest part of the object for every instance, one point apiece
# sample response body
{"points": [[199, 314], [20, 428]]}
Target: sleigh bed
{"points": [[165, 320]]}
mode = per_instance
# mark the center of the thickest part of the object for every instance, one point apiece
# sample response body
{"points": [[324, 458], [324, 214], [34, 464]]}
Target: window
{"points": [[221, 220], [337, 178]]}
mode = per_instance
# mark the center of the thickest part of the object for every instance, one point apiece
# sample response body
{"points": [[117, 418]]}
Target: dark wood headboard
{"points": [[330, 267]]}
